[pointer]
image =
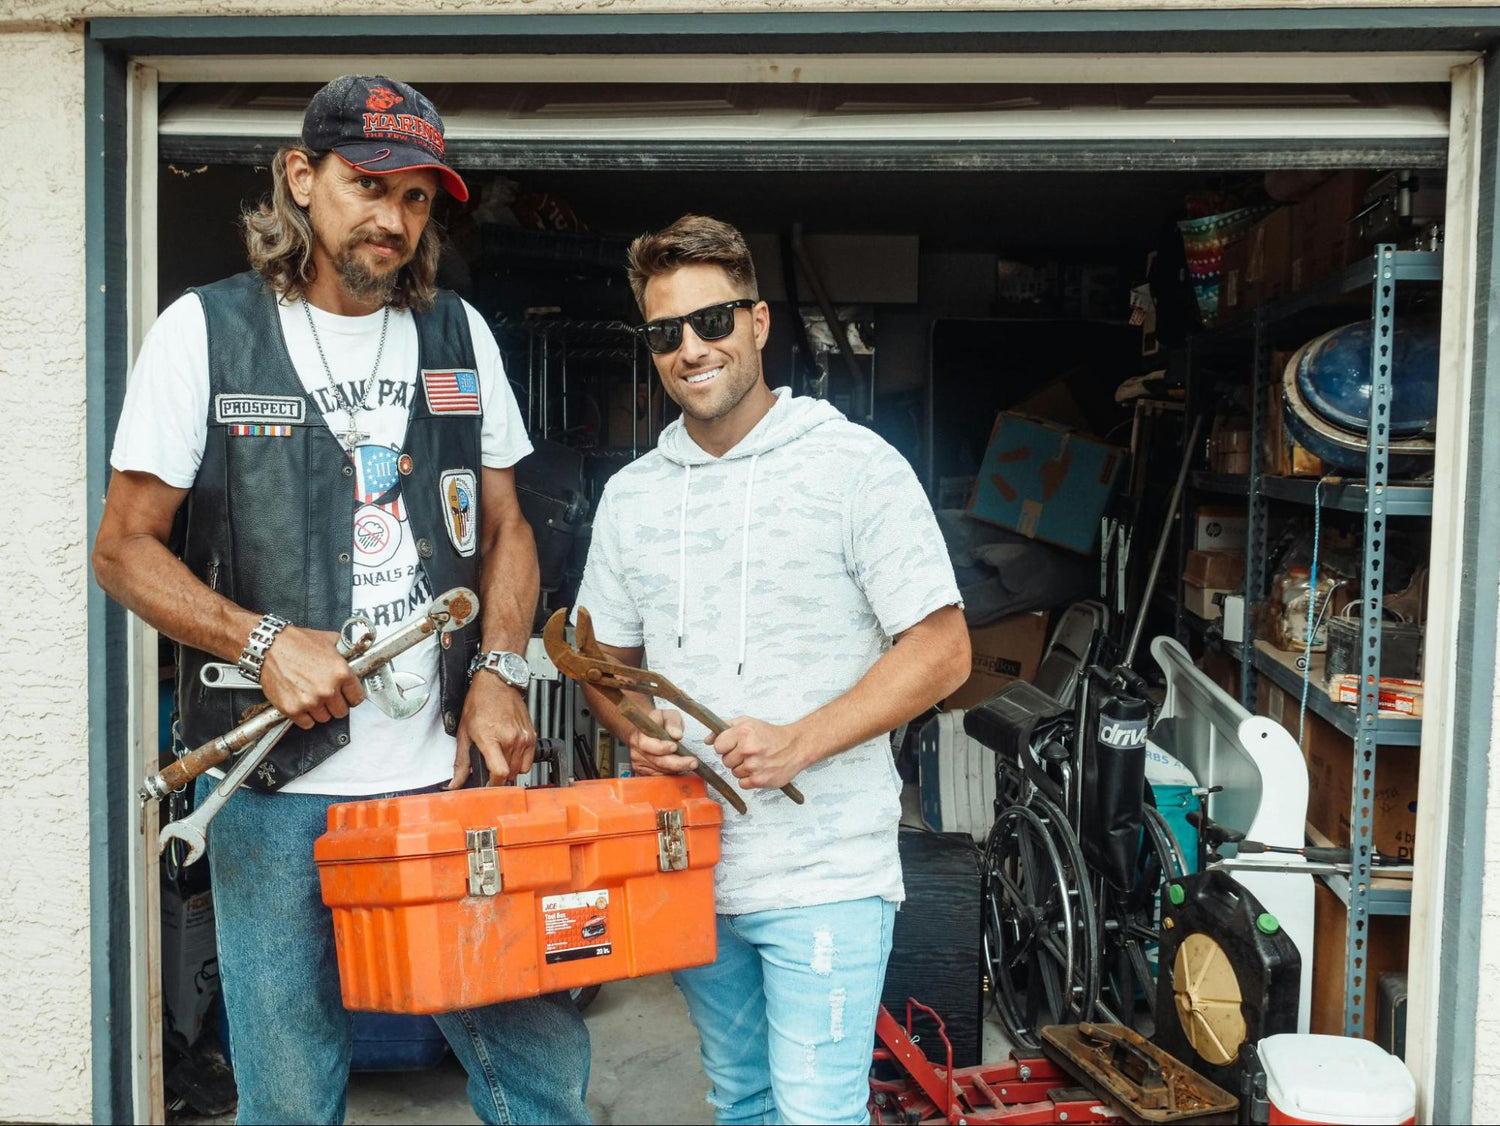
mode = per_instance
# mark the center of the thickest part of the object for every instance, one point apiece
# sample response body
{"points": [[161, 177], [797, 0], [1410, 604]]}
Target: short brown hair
{"points": [[691, 240], [279, 241]]}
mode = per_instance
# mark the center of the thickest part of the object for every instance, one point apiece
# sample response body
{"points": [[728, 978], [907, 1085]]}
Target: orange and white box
{"points": [[449, 901]]}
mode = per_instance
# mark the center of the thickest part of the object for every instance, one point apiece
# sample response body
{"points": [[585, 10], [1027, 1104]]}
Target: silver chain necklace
{"points": [[352, 436]]}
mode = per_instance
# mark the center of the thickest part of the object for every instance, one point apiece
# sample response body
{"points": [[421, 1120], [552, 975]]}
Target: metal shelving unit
{"points": [[1363, 893]]}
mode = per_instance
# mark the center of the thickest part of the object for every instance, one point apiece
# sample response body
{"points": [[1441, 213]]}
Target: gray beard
{"points": [[363, 284]]}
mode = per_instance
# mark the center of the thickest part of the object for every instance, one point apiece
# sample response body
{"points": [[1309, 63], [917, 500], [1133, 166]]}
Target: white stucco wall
{"points": [[45, 1014], [44, 922]]}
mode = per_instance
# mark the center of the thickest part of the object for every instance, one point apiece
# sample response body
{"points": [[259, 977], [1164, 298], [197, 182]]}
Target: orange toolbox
{"points": [[448, 901]]}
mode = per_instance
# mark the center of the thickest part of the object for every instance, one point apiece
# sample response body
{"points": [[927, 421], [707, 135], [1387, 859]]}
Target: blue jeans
{"points": [[528, 1061], [786, 1014]]}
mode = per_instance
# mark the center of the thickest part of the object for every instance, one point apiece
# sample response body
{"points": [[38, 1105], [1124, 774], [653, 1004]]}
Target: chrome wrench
{"points": [[451, 611], [192, 830], [398, 694]]}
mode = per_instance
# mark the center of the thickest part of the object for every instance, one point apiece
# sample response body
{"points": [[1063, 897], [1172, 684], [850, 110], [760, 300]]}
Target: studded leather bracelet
{"points": [[253, 656]]}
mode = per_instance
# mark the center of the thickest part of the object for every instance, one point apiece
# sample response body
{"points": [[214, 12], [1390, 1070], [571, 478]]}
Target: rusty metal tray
{"points": [[1135, 1076]]}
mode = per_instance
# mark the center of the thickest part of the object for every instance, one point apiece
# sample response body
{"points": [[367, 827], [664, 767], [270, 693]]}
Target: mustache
{"points": [[369, 234]]}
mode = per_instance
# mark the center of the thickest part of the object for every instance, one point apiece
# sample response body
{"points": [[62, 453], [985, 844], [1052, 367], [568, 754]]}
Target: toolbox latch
{"points": [[671, 840], [484, 863]]}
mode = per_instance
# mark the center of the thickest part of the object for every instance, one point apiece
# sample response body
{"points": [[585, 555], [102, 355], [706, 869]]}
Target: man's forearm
{"points": [[142, 575], [510, 584], [927, 663]]}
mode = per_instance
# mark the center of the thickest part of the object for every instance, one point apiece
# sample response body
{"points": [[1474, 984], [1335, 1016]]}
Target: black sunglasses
{"points": [[712, 322]]}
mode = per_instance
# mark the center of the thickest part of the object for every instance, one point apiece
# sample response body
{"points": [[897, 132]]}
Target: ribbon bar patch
{"points": [[259, 430], [259, 408]]}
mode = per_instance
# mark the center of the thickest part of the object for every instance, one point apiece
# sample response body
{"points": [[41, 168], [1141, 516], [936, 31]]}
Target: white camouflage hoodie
{"points": [[766, 583]]}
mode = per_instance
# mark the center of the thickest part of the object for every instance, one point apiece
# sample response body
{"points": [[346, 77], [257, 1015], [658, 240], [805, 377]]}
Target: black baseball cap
{"points": [[380, 126]]}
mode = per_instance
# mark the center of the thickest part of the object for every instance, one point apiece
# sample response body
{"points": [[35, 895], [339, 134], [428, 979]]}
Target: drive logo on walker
{"points": [[1122, 732]]}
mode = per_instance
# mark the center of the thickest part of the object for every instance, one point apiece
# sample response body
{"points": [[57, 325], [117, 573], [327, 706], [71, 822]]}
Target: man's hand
{"points": [[763, 756], [305, 677], [658, 756], [496, 721]]}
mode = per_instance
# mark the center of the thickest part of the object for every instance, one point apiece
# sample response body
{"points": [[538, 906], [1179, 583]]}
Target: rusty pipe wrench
{"points": [[354, 638], [449, 612], [585, 662], [192, 830]]}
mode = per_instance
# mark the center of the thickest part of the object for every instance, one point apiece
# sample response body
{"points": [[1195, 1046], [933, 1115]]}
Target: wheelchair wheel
{"points": [[1131, 928], [1040, 932]]}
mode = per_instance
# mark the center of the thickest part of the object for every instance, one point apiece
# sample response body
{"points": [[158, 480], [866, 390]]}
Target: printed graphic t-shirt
{"points": [[163, 430]]}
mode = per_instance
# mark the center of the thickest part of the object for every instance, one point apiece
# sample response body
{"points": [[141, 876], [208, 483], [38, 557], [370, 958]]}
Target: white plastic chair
{"points": [[1264, 777]]}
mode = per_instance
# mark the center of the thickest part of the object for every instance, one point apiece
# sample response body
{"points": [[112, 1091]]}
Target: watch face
{"points": [[513, 668]]}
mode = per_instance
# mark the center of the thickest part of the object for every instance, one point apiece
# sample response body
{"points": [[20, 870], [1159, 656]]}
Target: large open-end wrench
{"points": [[192, 830], [452, 611]]}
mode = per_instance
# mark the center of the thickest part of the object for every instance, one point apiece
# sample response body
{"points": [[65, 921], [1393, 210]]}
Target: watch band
{"points": [[253, 656], [495, 661]]}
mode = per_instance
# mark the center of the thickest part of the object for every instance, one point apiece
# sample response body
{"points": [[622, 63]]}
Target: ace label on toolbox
{"points": [[576, 926]]}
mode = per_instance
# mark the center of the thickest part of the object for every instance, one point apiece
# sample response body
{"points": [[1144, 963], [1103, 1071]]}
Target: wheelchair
{"points": [[1076, 859]]}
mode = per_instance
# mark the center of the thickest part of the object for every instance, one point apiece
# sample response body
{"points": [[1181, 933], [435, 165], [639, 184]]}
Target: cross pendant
{"points": [[353, 436]]}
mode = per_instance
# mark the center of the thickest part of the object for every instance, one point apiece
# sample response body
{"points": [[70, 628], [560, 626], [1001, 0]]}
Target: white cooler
{"points": [[1335, 1079]]}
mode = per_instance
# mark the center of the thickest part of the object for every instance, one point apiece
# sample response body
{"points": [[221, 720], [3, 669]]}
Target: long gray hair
{"points": [[279, 241]]}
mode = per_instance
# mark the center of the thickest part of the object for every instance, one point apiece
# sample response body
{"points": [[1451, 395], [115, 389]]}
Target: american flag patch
{"points": [[451, 391], [248, 430]]}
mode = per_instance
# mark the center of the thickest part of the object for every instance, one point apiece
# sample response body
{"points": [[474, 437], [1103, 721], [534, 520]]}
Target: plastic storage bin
{"points": [[1326, 1079], [448, 901]]}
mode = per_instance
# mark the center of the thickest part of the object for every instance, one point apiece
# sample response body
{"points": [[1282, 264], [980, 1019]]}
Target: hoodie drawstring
{"points": [[687, 484], [745, 566]]}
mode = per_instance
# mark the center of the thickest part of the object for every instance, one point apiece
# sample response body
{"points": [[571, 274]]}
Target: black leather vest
{"points": [[270, 519]]}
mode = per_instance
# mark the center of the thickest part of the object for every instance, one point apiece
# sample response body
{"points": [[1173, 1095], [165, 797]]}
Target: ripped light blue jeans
{"points": [[786, 1014]]}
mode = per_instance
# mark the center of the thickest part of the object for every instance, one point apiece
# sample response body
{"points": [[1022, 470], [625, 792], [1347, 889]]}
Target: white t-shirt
{"points": [[163, 430]]}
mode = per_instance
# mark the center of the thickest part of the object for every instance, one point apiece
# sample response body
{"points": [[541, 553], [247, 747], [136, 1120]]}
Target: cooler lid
{"points": [[1336, 1079], [437, 824]]}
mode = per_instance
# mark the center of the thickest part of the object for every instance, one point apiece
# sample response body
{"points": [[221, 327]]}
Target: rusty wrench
{"points": [[585, 662], [449, 612]]}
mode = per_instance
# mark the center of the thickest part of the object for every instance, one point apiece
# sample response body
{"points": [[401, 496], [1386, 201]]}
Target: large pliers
{"points": [[586, 663]]}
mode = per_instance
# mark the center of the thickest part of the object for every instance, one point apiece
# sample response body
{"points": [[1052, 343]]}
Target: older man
{"points": [[343, 437]]}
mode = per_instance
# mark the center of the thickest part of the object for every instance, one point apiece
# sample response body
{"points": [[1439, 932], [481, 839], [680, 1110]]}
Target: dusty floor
{"points": [[645, 1068]]}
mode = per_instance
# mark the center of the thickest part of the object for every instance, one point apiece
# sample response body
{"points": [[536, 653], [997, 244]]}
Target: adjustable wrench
{"points": [[395, 693], [451, 611]]}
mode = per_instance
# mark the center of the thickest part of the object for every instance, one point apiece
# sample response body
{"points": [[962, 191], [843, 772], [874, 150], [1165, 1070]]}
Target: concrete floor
{"points": [[645, 1068]]}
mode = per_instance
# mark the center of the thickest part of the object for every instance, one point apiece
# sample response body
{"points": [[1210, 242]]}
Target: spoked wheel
{"points": [[1040, 935], [1131, 927]]}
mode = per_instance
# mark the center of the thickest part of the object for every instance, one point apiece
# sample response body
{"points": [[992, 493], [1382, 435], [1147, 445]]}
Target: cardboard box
{"points": [[1397, 696], [1223, 570], [1330, 777], [1386, 946], [1323, 239], [1268, 270], [189, 960], [1045, 482], [1200, 600], [1282, 456], [1010, 649], [1217, 528], [1234, 285]]}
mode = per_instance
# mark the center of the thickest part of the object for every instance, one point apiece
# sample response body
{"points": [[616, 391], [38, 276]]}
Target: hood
{"points": [[788, 419]]}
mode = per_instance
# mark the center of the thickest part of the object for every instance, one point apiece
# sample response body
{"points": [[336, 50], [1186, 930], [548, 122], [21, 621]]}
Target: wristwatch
{"points": [[509, 667]]}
